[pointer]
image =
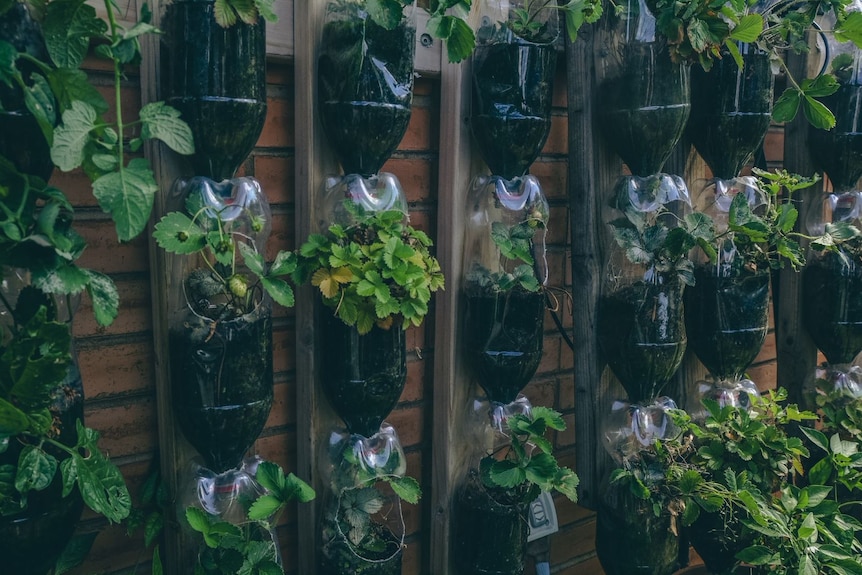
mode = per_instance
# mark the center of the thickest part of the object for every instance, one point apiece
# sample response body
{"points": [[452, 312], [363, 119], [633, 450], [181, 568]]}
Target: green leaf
{"points": [[160, 121], [279, 290], [40, 102], [103, 293], [69, 85], [9, 74], [734, 53], [75, 552], [406, 488], [12, 420], [70, 138], [506, 474], [198, 520], [128, 196], [757, 555], [253, 260], [748, 29], [386, 13], [824, 85], [817, 114], [264, 507], [36, 469], [68, 27], [457, 34], [225, 16], [69, 472], [285, 263], [850, 30], [100, 482], [787, 105], [177, 233]]}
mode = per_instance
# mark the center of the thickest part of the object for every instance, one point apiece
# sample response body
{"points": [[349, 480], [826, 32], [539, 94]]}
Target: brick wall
{"points": [[117, 362]]}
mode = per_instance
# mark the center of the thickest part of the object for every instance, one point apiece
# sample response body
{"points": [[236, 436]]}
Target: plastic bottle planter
{"points": [[363, 527], [216, 78], [644, 97], [731, 110], [838, 151], [505, 303], [221, 343], [727, 320], [641, 332], [365, 86], [489, 531], [717, 539], [362, 375], [21, 139], [630, 538], [832, 308], [32, 540], [513, 83], [225, 498]]}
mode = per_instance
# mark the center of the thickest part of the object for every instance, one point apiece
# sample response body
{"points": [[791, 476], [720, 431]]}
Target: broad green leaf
{"points": [[264, 507], [698, 35], [100, 482], [734, 52], [279, 290], [157, 562], [748, 29], [12, 420], [824, 85], [69, 473], [75, 552], [386, 13], [552, 418], [506, 474], [40, 102], [541, 468], [103, 293], [68, 27], [9, 74], [817, 114], [225, 16], [253, 260], [177, 233], [69, 85], [160, 121], [458, 36], [407, 488], [128, 196], [757, 555], [105, 162], [70, 138], [36, 469], [787, 105], [850, 29], [285, 263], [64, 279]]}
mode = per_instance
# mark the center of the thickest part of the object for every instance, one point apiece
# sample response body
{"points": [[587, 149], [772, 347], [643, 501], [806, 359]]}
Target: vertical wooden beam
{"points": [[452, 388], [313, 163], [584, 217], [796, 352], [174, 451]]}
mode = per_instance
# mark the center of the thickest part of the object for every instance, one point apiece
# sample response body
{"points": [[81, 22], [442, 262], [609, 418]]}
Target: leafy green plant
{"points": [[765, 239], [233, 272], [350, 515], [59, 91], [374, 271], [448, 20], [515, 244], [803, 532], [248, 548], [228, 12], [528, 21], [34, 363], [526, 465]]}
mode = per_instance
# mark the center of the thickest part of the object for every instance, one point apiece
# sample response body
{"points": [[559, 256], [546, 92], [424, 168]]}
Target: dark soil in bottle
{"points": [[221, 375], [832, 307], [33, 540], [338, 557], [365, 90], [21, 139], [717, 539], [512, 89], [216, 78], [838, 151], [641, 334], [643, 111], [490, 537], [362, 375], [503, 340], [731, 110], [727, 320], [630, 539]]}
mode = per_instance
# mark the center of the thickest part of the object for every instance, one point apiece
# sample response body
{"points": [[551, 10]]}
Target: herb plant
{"points": [[248, 548], [448, 20], [228, 12], [526, 22], [515, 244], [233, 275], [83, 138], [526, 466], [374, 271]]}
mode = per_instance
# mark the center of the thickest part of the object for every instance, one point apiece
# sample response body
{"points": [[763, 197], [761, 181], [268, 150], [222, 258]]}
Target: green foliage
{"points": [[247, 548], [802, 532], [227, 286], [34, 363], [229, 12], [376, 270], [526, 21], [60, 92], [527, 466], [515, 244]]}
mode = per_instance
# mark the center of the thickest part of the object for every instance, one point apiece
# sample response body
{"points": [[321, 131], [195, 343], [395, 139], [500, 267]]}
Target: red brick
{"points": [[277, 178], [283, 410], [558, 226], [105, 254], [414, 389], [283, 350], [415, 177], [409, 424], [126, 430], [135, 311], [278, 129], [418, 135], [116, 369], [279, 73], [553, 175], [558, 138]]}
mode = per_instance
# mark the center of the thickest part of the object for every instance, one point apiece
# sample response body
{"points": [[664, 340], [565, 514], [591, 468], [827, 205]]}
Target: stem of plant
{"points": [[109, 6]]}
